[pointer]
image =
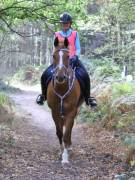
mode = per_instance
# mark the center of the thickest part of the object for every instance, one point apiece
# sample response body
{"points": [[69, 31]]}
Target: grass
{"points": [[3, 99]]}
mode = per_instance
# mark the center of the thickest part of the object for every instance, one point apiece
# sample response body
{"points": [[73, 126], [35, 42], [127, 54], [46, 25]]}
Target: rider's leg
{"points": [[46, 76], [90, 101]]}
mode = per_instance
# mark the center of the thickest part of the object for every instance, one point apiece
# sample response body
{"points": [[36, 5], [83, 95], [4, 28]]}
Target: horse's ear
{"points": [[56, 42], [66, 43]]}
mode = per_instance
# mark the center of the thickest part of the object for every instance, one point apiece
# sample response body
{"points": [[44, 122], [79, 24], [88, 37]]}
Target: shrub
{"points": [[119, 89], [28, 75]]}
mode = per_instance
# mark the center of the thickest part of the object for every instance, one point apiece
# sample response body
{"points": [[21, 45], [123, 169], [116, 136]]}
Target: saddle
{"points": [[79, 75]]}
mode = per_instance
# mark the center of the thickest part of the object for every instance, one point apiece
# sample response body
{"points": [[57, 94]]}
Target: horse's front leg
{"points": [[69, 122], [59, 129]]}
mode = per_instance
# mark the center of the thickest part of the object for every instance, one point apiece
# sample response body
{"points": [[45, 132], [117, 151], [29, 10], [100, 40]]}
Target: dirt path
{"points": [[96, 154]]}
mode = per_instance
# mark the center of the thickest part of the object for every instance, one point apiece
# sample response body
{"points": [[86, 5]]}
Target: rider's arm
{"points": [[77, 44]]}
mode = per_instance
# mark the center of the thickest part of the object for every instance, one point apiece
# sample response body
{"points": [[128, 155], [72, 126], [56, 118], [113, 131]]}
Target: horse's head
{"points": [[61, 60]]}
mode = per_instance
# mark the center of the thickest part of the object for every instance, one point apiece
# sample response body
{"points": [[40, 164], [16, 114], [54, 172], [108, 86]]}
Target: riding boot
{"points": [[90, 101], [42, 97], [45, 79]]}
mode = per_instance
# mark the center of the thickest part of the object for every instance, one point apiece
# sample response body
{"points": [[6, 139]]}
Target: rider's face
{"points": [[66, 26]]}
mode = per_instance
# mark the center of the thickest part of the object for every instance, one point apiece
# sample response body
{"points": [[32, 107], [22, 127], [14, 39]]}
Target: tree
{"points": [[15, 11], [116, 19], [36, 20]]}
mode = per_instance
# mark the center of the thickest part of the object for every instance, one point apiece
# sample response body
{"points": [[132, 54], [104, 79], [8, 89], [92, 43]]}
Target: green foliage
{"points": [[109, 71], [88, 116], [114, 19], [109, 114], [105, 68], [28, 75], [101, 68], [105, 113], [3, 99], [11, 10], [119, 89]]}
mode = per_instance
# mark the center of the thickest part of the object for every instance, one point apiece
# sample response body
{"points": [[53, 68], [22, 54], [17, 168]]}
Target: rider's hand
{"points": [[74, 61], [74, 58]]}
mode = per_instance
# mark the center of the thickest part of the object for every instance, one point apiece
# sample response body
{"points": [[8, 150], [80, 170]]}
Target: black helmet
{"points": [[65, 18]]}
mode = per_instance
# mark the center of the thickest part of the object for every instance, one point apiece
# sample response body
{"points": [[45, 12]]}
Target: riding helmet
{"points": [[65, 18]]}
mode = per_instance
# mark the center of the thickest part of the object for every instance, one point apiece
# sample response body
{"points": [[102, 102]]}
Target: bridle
{"points": [[70, 80], [62, 66]]}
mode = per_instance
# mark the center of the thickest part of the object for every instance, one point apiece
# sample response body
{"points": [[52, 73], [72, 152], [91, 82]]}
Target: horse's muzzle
{"points": [[61, 79]]}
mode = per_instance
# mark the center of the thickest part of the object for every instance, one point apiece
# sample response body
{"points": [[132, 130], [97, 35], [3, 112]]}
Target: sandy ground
{"points": [[96, 154]]}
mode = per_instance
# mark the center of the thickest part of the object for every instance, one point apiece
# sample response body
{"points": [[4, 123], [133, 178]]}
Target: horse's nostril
{"points": [[60, 78]]}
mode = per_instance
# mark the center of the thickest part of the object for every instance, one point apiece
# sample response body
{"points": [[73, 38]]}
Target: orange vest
{"points": [[71, 39]]}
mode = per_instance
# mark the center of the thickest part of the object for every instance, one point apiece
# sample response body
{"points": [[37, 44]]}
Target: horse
{"points": [[63, 96]]}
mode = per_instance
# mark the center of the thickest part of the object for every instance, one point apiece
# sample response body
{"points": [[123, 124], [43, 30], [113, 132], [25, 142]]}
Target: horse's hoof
{"points": [[64, 162], [70, 150]]}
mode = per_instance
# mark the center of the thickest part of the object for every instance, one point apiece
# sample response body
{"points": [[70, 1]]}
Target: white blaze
{"points": [[61, 59]]}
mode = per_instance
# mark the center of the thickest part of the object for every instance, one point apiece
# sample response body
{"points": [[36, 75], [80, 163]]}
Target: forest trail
{"points": [[96, 154]]}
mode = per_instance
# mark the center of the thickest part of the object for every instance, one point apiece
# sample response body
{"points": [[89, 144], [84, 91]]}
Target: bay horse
{"points": [[63, 96]]}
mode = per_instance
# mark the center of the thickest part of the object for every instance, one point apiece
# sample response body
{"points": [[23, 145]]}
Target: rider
{"points": [[74, 51]]}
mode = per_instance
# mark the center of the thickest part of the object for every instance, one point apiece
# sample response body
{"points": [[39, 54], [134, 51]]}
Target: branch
{"points": [[18, 33], [13, 6], [10, 7]]}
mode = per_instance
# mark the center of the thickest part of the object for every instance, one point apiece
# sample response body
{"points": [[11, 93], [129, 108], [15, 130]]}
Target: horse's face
{"points": [[61, 61]]}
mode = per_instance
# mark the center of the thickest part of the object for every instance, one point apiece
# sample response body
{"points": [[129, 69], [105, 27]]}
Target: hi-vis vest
{"points": [[71, 39]]}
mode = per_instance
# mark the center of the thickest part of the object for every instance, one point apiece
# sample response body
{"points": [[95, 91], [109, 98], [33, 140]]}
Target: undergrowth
{"points": [[6, 120], [29, 75]]}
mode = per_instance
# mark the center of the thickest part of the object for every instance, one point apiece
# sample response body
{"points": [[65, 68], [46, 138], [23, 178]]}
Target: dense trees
{"points": [[27, 25], [13, 11]]}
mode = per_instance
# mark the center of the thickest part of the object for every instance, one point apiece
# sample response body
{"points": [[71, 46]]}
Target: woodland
{"points": [[107, 35]]}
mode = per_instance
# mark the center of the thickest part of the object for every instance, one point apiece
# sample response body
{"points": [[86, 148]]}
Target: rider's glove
{"points": [[74, 61]]}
